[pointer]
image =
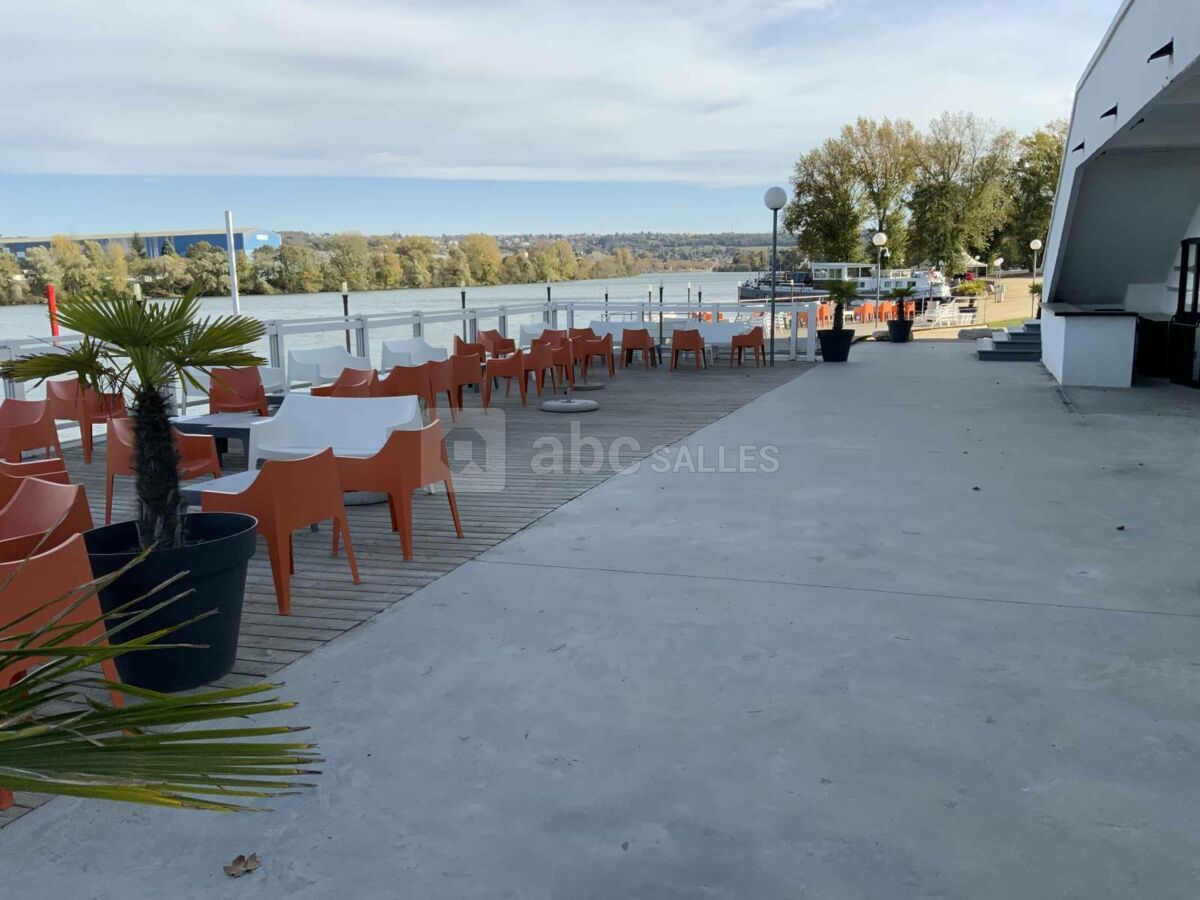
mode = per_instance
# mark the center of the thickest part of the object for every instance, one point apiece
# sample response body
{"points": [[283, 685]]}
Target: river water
{"points": [[23, 322]]}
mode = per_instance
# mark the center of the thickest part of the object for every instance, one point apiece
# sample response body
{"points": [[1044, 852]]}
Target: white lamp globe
{"points": [[880, 239], [999, 261], [775, 198], [1035, 245]]}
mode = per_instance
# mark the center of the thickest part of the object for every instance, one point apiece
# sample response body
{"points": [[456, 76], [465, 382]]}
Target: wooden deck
{"points": [[653, 408]]}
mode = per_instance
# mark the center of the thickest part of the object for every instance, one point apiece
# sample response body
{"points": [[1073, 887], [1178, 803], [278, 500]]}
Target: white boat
{"points": [[929, 284]]}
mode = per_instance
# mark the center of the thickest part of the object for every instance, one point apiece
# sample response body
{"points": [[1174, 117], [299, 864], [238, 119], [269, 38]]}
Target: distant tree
{"points": [[483, 258], [1031, 185], [78, 273], [137, 246], [824, 213], [41, 270], [13, 285], [517, 268], [387, 270], [959, 198], [165, 276], [264, 262], [453, 270], [168, 247], [349, 261], [883, 162], [299, 270]]}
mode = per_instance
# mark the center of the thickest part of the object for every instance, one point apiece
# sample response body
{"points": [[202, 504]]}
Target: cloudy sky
{"points": [[508, 116]]}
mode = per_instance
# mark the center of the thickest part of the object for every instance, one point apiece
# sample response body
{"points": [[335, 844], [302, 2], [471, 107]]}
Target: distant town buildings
{"points": [[245, 239]]}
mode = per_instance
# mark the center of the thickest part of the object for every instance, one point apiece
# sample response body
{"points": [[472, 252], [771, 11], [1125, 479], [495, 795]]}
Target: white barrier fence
{"points": [[364, 334]]}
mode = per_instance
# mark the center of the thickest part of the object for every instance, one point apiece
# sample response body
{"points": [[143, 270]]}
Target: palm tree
{"points": [[901, 294], [142, 349], [133, 753], [841, 293]]}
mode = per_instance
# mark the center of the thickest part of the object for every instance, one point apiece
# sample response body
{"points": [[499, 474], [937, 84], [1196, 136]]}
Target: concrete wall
{"points": [[1115, 220]]}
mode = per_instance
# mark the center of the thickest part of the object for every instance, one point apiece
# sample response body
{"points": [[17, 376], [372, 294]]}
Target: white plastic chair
{"points": [[352, 426], [530, 332], [410, 352], [321, 366]]}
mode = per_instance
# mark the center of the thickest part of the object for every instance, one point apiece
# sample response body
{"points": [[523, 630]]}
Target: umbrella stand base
{"points": [[586, 386], [570, 406]]}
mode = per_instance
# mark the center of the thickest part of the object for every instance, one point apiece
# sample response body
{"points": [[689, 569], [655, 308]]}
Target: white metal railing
{"points": [[556, 313]]}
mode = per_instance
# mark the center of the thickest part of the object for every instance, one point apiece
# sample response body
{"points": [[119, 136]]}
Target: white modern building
{"points": [[1128, 198]]}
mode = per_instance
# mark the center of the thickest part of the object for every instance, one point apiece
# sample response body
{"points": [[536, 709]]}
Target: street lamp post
{"points": [[775, 199], [998, 263], [880, 241], [1035, 245]]}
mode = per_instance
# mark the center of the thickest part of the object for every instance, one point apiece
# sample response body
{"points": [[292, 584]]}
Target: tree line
{"points": [[962, 188], [363, 263]]}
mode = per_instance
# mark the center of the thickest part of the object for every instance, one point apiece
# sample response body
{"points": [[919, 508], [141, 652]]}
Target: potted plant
{"points": [[900, 328], [836, 341], [133, 753], [141, 350]]}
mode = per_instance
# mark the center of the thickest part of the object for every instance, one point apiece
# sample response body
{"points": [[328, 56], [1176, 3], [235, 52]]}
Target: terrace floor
{"points": [[947, 648]]}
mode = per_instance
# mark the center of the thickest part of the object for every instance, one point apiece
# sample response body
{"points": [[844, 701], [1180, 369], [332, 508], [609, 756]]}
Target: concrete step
{"points": [[1009, 351], [1034, 325], [1024, 337]]}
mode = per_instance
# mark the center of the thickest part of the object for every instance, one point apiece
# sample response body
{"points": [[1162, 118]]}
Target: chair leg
{"points": [[85, 434], [108, 497], [406, 523], [340, 522], [279, 552], [449, 485], [108, 669]]}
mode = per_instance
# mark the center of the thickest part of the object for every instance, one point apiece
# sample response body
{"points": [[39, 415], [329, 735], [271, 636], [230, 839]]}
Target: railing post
{"points": [[13, 390], [275, 344], [417, 326], [473, 325], [793, 331], [502, 327], [810, 340], [553, 315], [362, 343], [571, 314]]}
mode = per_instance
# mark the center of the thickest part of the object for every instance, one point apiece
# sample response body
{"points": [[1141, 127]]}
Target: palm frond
{"points": [[123, 753]]}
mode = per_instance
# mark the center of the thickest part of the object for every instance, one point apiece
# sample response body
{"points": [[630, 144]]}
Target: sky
{"points": [[465, 115]]}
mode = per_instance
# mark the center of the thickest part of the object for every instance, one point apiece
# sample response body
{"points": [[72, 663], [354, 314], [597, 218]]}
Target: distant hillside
{"points": [[705, 250]]}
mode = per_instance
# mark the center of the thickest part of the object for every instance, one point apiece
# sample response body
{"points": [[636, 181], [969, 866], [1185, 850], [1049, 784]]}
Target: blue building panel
{"points": [[246, 240]]}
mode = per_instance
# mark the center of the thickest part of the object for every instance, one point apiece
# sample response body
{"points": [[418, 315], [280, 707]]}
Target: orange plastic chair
{"points": [[12, 474], [27, 425], [465, 348], [497, 344], [601, 348], [197, 457], [40, 590], [637, 339], [887, 311], [824, 316], [441, 380], [866, 313], [237, 390], [564, 361], [581, 334], [508, 368], [910, 309], [350, 383], [466, 370], [288, 494], [539, 362], [753, 340], [406, 381], [41, 515], [407, 461], [689, 341], [75, 402]]}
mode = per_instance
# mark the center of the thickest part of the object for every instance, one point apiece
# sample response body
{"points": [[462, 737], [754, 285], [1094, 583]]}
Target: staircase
{"points": [[1022, 344]]}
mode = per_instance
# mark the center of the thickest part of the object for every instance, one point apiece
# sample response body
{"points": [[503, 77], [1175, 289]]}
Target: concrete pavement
{"points": [[853, 676]]}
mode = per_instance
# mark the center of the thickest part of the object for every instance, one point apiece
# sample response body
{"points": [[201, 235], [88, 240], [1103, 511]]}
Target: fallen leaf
{"points": [[242, 865]]}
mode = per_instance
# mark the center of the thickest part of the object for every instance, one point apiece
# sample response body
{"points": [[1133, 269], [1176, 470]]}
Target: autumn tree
{"points": [[483, 258], [882, 161], [349, 261], [959, 199], [1031, 185], [824, 213]]}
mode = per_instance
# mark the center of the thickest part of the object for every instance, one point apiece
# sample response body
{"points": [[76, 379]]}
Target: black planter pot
{"points": [[218, 548], [899, 330], [835, 345]]}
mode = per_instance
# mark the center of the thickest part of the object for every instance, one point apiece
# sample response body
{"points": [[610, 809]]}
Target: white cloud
{"points": [[703, 92]]}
